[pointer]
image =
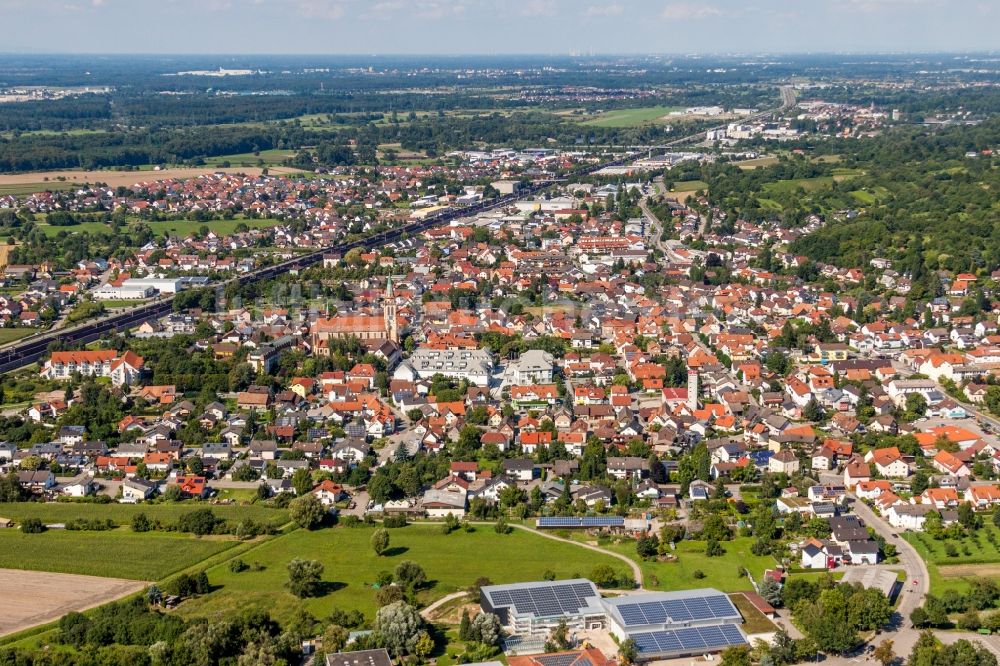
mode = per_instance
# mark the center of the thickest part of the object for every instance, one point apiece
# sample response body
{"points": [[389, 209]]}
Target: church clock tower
{"points": [[389, 313]]}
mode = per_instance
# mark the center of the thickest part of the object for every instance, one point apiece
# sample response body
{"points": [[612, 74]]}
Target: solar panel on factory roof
{"points": [[688, 640], [585, 521], [500, 598], [636, 613], [544, 600]]}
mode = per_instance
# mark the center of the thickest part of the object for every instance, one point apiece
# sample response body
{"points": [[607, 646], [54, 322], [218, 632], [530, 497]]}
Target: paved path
{"points": [[426, 613]]}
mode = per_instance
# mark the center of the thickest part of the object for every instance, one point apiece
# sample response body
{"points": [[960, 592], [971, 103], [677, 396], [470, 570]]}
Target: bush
{"points": [[199, 521], [238, 565], [32, 526], [394, 521], [90, 524], [698, 574], [186, 585], [141, 523]]}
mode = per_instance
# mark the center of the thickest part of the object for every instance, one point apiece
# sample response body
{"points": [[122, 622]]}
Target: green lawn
{"points": [[274, 157], [863, 196], [807, 184], [117, 554], [689, 186], [12, 334], [121, 514], [720, 572], [630, 117], [452, 562]]}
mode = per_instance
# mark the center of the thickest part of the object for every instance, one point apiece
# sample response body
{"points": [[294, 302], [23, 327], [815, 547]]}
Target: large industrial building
{"points": [[535, 608], [664, 625]]}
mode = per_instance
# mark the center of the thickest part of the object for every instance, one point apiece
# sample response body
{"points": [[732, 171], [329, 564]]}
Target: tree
{"points": [[812, 411], [398, 626], [627, 652], [647, 546], [424, 645], [464, 625], [153, 595], [141, 523], [302, 481], [969, 620], [559, 636], [868, 610], [771, 591], [738, 655], [307, 511], [883, 652], [486, 629], [304, 577], [380, 541], [335, 638], [410, 575], [714, 549]]}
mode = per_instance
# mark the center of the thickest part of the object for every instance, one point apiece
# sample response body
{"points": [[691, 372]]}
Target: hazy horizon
{"points": [[496, 27]]}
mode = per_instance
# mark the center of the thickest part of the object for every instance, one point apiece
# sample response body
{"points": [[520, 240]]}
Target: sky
{"points": [[493, 27]]}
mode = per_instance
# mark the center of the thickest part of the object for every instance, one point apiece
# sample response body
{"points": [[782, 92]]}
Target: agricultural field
{"points": [[159, 227], [121, 514], [973, 557], [452, 562], [24, 189], [631, 117], [68, 178], [117, 553], [977, 548], [34, 597]]}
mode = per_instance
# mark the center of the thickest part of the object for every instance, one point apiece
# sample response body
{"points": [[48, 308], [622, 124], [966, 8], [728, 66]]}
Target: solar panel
{"points": [[677, 611], [500, 598], [712, 636], [721, 606], [632, 615], [646, 643], [732, 634], [585, 521], [698, 609], [688, 640], [691, 639], [654, 612], [667, 641]]}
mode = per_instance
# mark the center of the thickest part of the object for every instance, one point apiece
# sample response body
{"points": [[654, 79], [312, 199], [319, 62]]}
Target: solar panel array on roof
{"points": [[676, 611], [688, 639], [544, 600], [561, 659], [584, 521]]}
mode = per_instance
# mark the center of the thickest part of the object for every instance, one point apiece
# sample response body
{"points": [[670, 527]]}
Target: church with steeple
{"points": [[369, 328]]}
